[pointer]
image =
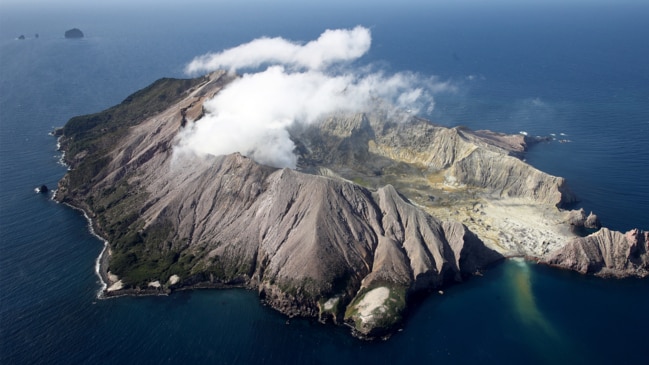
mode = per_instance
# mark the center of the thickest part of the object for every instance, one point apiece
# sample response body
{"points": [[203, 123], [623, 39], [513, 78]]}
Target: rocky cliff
{"points": [[605, 253], [375, 211]]}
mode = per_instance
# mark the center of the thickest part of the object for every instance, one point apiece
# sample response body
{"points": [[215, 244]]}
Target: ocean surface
{"points": [[578, 68]]}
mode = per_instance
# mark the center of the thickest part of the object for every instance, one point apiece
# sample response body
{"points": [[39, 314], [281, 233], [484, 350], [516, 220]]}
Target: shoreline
{"points": [[101, 264], [102, 259]]}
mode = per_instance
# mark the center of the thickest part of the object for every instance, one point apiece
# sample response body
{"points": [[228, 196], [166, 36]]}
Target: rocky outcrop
{"points": [[581, 223], [605, 253], [74, 33]]}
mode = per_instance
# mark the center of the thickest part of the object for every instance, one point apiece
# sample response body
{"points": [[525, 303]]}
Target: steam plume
{"points": [[252, 114], [332, 46]]}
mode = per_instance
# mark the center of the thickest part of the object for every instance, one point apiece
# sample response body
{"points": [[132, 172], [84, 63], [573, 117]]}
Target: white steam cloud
{"points": [[332, 46], [252, 114]]}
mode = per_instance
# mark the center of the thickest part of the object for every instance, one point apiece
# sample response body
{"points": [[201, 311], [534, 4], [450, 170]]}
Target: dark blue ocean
{"points": [[576, 67]]}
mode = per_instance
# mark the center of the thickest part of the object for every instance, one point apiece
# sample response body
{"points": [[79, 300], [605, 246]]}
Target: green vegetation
{"points": [[83, 174], [358, 180], [138, 255], [139, 271], [396, 304], [335, 303], [95, 132], [303, 288], [144, 255], [91, 136], [228, 270], [386, 316]]}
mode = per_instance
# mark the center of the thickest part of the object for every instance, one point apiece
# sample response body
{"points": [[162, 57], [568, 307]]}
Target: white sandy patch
{"points": [[117, 286], [329, 304], [371, 302], [525, 228], [174, 279], [112, 277], [155, 284], [510, 226]]}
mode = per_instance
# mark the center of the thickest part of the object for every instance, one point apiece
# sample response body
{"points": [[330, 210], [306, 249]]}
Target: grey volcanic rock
{"points": [[483, 159], [579, 221], [592, 221], [605, 253], [73, 33]]}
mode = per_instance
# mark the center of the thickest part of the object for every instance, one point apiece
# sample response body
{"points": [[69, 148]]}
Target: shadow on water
{"points": [[543, 336]]}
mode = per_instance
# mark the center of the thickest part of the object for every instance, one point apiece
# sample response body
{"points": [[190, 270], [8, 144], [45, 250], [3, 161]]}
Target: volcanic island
{"points": [[380, 207]]}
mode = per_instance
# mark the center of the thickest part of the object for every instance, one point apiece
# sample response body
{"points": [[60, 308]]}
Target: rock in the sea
{"points": [[580, 222], [73, 33], [592, 221], [57, 132], [43, 189]]}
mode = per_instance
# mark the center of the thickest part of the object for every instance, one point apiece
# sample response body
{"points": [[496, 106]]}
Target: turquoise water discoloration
{"points": [[552, 346], [524, 301]]}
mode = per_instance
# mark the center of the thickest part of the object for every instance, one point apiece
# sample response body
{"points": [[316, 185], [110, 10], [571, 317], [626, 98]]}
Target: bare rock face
{"points": [[592, 222], [482, 159], [605, 253], [580, 222], [74, 33], [375, 211]]}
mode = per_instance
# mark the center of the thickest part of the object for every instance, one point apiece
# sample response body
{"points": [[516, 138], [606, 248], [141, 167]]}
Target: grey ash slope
{"points": [[312, 242]]}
